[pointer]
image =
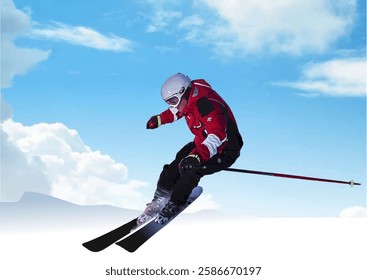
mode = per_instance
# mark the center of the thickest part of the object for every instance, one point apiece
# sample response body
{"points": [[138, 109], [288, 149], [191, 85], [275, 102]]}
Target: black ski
{"points": [[105, 240], [132, 242]]}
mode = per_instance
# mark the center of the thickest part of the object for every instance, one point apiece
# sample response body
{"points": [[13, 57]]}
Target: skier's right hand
{"points": [[154, 122]]}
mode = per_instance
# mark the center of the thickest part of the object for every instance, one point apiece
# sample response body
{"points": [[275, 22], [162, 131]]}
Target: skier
{"points": [[216, 145]]}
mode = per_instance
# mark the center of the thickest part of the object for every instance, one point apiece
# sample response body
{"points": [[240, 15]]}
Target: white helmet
{"points": [[174, 88]]}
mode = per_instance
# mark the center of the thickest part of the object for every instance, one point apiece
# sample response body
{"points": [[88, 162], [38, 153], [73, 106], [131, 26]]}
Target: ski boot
{"points": [[161, 196], [169, 211], [151, 210]]}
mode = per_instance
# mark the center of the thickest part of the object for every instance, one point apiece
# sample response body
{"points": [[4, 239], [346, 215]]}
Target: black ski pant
{"points": [[180, 185]]}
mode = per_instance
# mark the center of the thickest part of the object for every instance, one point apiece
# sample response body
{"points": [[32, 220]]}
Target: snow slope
{"points": [[41, 237]]}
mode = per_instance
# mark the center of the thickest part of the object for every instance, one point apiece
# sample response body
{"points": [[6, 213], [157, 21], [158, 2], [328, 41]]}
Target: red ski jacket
{"points": [[211, 121]]}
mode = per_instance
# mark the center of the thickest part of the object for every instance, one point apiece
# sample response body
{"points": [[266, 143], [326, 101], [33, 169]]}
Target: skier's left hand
{"points": [[189, 164], [154, 122]]}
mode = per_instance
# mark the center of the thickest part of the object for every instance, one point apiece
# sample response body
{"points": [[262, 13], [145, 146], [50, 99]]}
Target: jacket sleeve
{"points": [[170, 115], [215, 121]]}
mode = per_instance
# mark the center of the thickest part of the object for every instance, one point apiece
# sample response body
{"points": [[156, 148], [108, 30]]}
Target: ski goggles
{"points": [[173, 101]]}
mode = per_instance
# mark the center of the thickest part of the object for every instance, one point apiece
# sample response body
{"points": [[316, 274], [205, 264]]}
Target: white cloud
{"points": [[282, 26], [20, 173], [52, 159], [242, 27], [5, 110], [13, 21], [163, 14], [16, 60], [205, 201], [83, 36], [161, 20], [339, 77], [354, 212]]}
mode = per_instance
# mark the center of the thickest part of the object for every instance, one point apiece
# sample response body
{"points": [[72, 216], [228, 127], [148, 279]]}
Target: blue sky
{"points": [[79, 81]]}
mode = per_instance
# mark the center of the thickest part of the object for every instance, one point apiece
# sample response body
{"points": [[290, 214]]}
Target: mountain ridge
{"points": [[40, 211]]}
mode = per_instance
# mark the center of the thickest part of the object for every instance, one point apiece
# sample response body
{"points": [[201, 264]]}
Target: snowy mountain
{"points": [[35, 211], [39, 210]]}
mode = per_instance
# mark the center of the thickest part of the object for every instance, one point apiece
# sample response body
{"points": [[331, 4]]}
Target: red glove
{"points": [[154, 122]]}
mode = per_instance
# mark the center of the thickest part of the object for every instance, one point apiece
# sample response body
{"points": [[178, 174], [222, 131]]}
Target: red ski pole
{"points": [[350, 183]]}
